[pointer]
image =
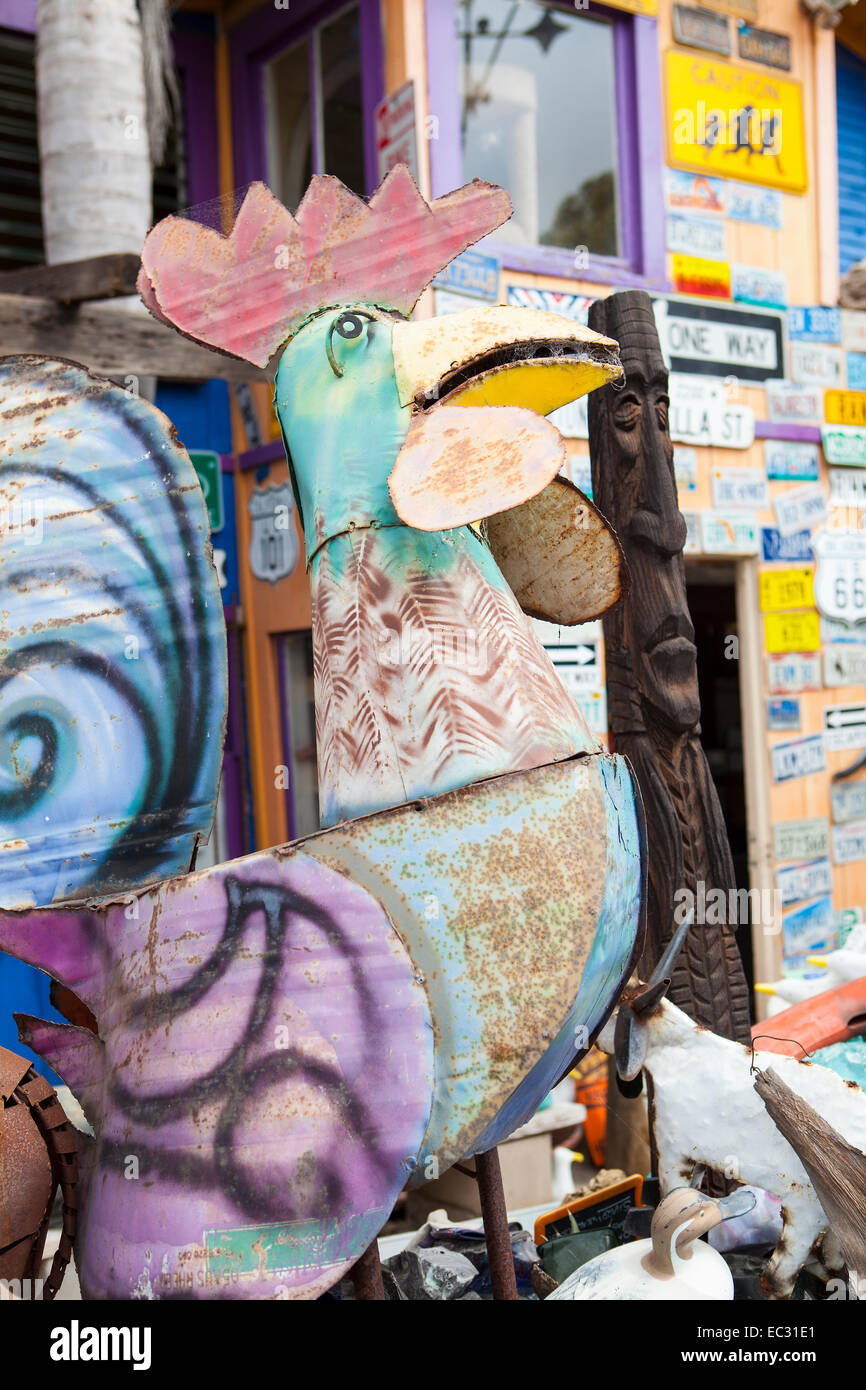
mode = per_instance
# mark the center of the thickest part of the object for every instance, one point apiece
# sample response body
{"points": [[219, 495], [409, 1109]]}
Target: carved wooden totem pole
{"points": [[652, 671]]}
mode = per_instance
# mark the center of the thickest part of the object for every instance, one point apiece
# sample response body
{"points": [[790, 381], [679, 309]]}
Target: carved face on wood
{"points": [[637, 494]]}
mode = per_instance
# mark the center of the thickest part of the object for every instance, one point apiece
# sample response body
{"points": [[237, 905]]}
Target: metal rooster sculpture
{"points": [[286, 1040]]}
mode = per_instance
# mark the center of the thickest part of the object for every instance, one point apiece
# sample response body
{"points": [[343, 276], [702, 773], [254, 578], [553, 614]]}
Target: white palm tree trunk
{"points": [[93, 140]]}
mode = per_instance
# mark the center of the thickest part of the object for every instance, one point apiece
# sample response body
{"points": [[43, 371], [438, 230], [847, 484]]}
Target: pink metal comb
{"points": [[245, 294]]}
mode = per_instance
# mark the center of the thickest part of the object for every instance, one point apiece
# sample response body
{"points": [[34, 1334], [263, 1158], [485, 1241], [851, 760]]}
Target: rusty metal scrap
{"points": [[38, 1152]]}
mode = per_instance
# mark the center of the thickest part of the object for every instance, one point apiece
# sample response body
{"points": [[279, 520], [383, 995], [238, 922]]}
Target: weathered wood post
{"points": [[652, 673]]}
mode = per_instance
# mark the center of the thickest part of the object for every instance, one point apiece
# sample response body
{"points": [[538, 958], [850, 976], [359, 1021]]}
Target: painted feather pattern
{"points": [[427, 674]]}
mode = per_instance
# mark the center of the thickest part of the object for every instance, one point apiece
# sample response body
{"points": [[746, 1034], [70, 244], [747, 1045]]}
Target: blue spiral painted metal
{"points": [[112, 640]]}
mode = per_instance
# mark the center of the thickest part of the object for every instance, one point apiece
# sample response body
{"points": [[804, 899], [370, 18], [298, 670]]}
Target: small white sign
{"points": [[847, 487], [844, 727], [693, 533], [801, 839], [849, 842], [740, 487], [578, 470], [844, 664], [789, 403], [757, 284], [848, 802], [571, 420], [844, 444], [729, 533], [577, 664], [802, 881], [854, 330], [712, 423], [793, 672], [816, 364], [799, 758], [688, 386], [791, 461], [593, 706], [696, 235], [273, 551], [840, 575], [834, 633], [800, 509], [686, 467], [395, 131]]}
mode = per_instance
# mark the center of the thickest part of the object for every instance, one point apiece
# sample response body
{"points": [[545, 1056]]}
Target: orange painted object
{"points": [[590, 1077], [836, 1016], [595, 1124], [633, 1184]]}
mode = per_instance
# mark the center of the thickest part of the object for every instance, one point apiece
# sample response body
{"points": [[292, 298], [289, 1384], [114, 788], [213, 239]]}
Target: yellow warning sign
{"points": [[733, 121]]}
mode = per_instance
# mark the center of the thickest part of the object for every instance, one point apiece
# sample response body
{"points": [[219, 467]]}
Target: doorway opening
{"points": [[711, 593]]}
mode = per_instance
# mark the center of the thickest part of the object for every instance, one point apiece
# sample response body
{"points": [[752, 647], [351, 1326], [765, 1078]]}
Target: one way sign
{"points": [[577, 663], [844, 727]]}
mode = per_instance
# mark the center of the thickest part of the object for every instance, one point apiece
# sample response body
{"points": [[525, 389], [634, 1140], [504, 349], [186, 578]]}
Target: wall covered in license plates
{"points": [[768, 416], [726, 204]]}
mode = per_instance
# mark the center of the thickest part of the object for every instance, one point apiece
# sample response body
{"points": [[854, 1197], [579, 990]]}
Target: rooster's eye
{"points": [[349, 325]]}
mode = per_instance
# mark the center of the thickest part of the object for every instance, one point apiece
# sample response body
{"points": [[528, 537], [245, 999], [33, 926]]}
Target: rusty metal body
{"points": [[285, 1041], [305, 1024], [37, 1153]]}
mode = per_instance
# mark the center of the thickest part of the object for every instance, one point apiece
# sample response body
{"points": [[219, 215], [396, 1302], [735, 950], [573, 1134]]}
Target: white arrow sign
{"points": [[845, 727], [840, 717]]}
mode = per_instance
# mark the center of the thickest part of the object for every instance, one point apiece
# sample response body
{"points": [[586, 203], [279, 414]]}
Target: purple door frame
{"points": [[261, 37], [18, 14], [640, 151], [195, 57]]}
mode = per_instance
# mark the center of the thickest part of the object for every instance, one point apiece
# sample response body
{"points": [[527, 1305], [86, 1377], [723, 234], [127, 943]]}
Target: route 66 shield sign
{"points": [[840, 575], [273, 536]]}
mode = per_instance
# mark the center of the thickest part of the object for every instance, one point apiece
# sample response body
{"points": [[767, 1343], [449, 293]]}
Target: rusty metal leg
{"points": [[496, 1233], [366, 1275]]}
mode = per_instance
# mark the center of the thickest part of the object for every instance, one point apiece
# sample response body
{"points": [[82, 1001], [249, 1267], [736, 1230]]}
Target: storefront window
{"points": [[299, 733], [315, 109], [538, 116]]}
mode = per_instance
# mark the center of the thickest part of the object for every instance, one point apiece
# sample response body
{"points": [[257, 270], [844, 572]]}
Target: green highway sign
{"points": [[207, 467]]}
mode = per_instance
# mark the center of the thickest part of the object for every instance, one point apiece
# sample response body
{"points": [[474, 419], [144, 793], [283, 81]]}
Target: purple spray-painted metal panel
{"points": [[284, 1039], [264, 1048]]}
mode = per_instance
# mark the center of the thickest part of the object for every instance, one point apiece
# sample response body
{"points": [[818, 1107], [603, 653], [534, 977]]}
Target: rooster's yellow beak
{"points": [[500, 356]]}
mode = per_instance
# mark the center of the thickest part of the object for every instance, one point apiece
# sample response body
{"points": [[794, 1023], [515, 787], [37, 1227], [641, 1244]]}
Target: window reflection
{"points": [[538, 116]]}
